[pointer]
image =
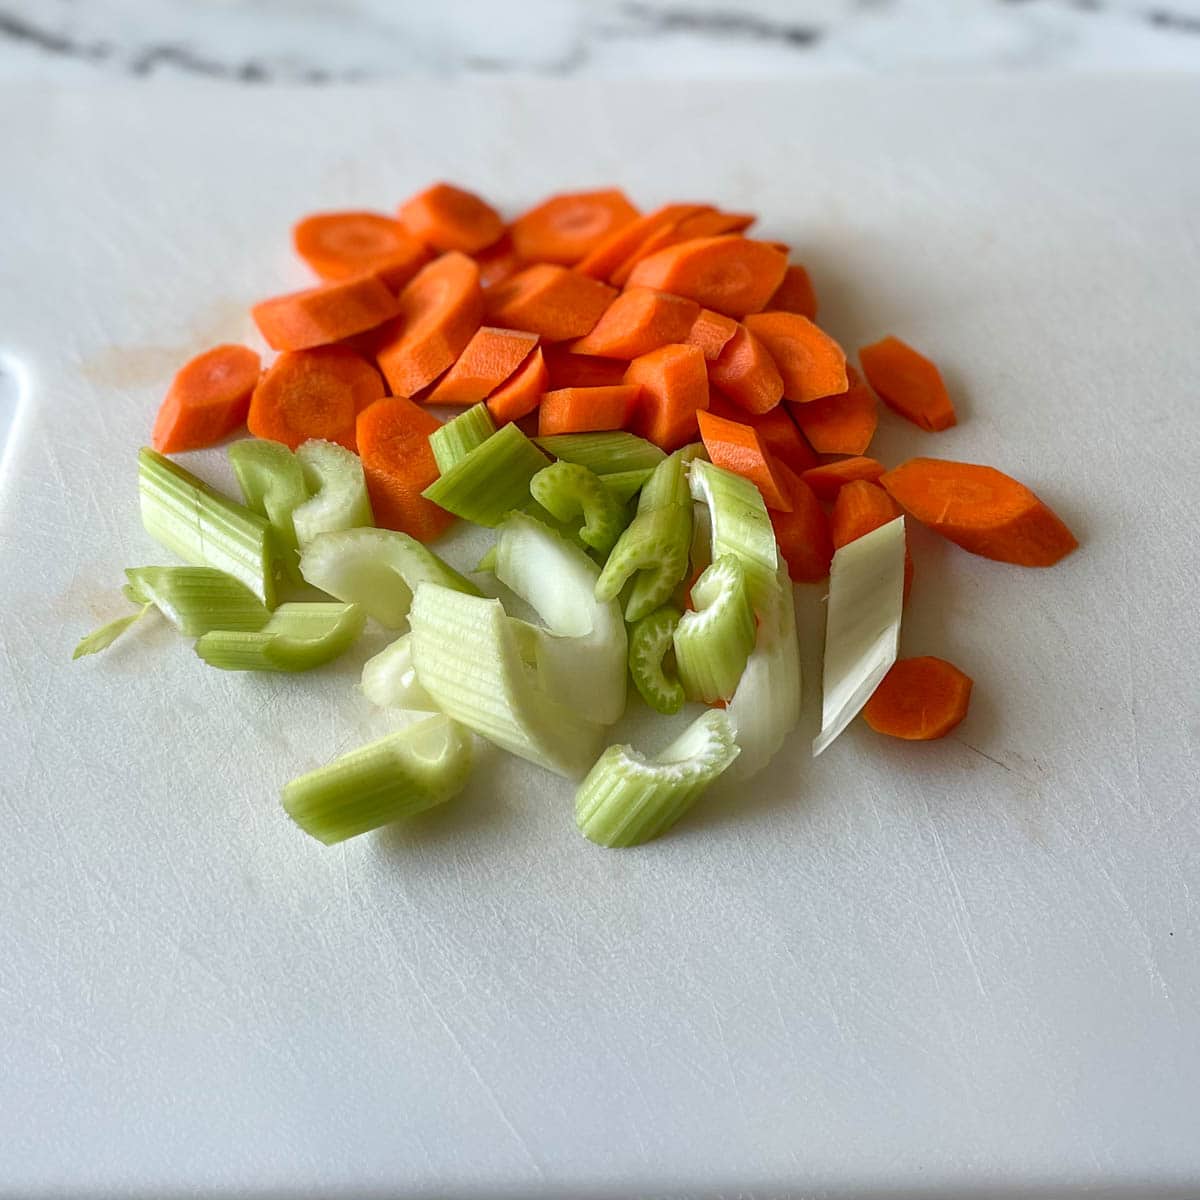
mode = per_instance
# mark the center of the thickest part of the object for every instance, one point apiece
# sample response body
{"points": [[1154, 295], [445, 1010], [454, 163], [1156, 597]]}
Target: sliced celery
{"points": [[102, 638], [390, 679], [624, 485], [198, 599], [377, 569], [654, 548], [298, 637], [713, 642], [651, 640], [487, 561], [667, 484], [134, 594], [491, 481], [272, 483], [205, 529], [626, 799], [567, 491], [339, 500], [456, 439], [417, 768], [603, 453]]}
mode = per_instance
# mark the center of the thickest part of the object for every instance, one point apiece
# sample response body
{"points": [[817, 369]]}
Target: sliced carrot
{"points": [[582, 370], [664, 235], [776, 430], [341, 245], [638, 321], [566, 227], [393, 442], [826, 479], [919, 699], [498, 262], [488, 359], [712, 224], [795, 294], [207, 400], [674, 389], [586, 410], [859, 507], [314, 393], [736, 447], [981, 509], [908, 383], [320, 315], [746, 373], [610, 253], [842, 424], [440, 310], [711, 331], [803, 533], [811, 362], [549, 300], [734, 275], [448, 218], [521, 394]]}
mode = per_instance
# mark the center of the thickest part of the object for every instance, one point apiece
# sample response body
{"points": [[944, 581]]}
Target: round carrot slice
{"points": [[449, 218], [208, 399], [566, 227], [340, 245], [919, 699]]}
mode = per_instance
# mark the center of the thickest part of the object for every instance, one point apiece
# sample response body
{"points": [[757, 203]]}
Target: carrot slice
{"points": [[638, 321], [521, 394], [320, 315], [776, 430], [610, 253], [314, 393], [582, 370], [674, 389], [734, 275], [566, 227], [498, 263], [980, 509], [440, 310], [803, 533], [711, 331], [746, 373], [207, 400], [340, 245], [842, 424], [713, 224], [908, 383], [448, 218], [919, 699], [736, 447], [795, 294], [586, 410], [859, 507], [398, 462], [665, 235], [549, 300], [811, 362], [488, 359], [826, 479]]}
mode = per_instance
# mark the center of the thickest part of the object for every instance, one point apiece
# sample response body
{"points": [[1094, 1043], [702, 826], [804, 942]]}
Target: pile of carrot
{"points": [[585, 314]]}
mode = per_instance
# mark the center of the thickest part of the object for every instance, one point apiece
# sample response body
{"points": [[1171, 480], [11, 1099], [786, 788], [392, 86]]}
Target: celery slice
{"points": [[456, 439], [862, 625], [198, 599], [102, 638], [626, 799], [624, 485], [134, 593], [654, 548], [389, 679], [651, 640], [713, 642], [298, 637], [468, 658], [668, 483], [406, 772], [204, 528], [272, 483], [339, 500], [603, 453], [568, 491], [377, 569]]}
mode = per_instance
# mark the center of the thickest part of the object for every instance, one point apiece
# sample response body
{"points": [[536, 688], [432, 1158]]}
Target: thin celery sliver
{"points": [[603, 453], [457, 438], [199, 599], [102, 638], [338, 500], [568, 491], [298, 637], [651, 640], [272, 483], [713, 641]]}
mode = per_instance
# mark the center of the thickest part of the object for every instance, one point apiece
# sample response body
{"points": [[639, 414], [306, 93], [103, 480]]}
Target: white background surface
{"points": [[959, 968]]}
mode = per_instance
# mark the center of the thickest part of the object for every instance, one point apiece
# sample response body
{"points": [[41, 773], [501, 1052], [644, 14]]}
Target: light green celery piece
{"points": [[457, 438], [487, 562], [713, 642], [627, 799], [338, 491], [389, 679], [102, 638], [667, 484], [198, 599], [134, 594], [603, 453], [468, 658], [653, 551], [378, 569], [568, 491], [272, 483], [581, 653], [624, 485], [407, 772], [651, 640], [298, 637], [203, 527], [491, 481]]}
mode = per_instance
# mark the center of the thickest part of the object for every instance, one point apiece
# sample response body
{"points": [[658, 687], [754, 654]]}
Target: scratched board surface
{"points": [[899, 970]]}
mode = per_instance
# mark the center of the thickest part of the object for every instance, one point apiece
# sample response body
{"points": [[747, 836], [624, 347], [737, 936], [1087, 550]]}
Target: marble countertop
{"points": [[334, 41]]}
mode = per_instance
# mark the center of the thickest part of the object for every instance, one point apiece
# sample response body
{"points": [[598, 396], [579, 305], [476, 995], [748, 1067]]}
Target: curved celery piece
{"points": [[567, 491], [378, 569], [102, 638], [713, 642], [338, 488], [198, 599], [650, 641], [272, 483], [627, 799], [417, 768], [457, 438], [389, 679], [605, 453], [654, 548], [298, 637], [624, 485], [667, 484]]}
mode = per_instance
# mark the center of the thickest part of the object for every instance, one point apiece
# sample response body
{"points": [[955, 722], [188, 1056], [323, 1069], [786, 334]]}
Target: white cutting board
{"points": [[901, 970]]}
